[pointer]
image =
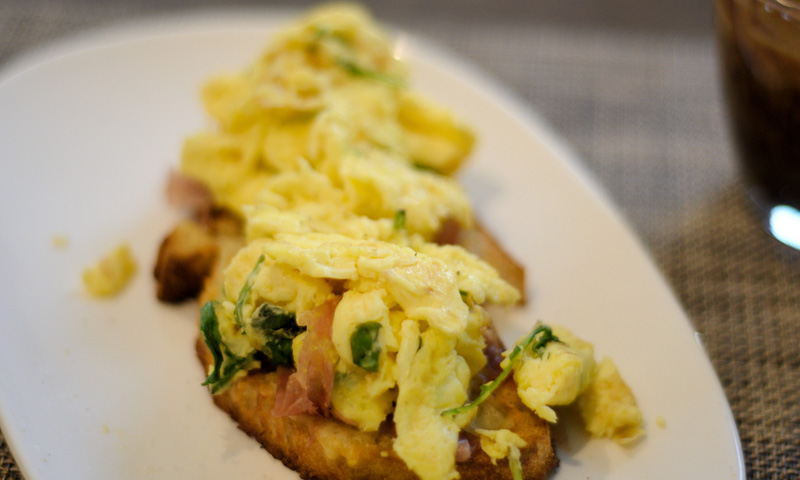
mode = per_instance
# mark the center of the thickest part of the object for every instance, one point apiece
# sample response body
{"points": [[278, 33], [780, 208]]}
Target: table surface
{"points": [[632, 87]]}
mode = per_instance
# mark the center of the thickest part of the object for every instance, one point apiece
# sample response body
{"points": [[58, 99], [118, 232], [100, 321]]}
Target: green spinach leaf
{"points": [[245, 292], [400, 220], [359, 71], [230, 367], [279, 327], [226, 364], [209, 330], [365, 346]]}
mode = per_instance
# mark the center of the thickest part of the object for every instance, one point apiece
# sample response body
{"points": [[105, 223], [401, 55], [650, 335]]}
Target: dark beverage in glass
{"points": [[759, 44]]}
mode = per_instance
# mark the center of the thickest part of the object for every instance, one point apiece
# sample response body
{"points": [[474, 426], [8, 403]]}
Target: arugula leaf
{"points": [[279, 327], [359, 71], [365, 346], [352, 67], [231, 367], [279, 349], [226, 364], [536, 340], [322, 32], [272, 317], [515, 464], [209, 330], [245, 292], [426, 168], [400, 219]]}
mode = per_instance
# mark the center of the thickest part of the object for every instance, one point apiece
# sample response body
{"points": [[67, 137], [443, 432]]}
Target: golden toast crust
{"points": [[326, 449]]}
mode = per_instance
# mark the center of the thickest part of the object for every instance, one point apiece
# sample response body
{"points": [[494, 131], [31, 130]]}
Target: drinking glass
{"points": [[759, 45]]}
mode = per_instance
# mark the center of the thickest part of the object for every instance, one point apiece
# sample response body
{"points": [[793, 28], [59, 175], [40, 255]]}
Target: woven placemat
{"points": [[643, 111], [741, 289], [8, 469]]}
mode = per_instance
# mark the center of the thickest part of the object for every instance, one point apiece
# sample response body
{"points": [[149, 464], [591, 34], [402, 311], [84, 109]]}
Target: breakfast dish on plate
{"points": [[111, 387], [345, 282]]}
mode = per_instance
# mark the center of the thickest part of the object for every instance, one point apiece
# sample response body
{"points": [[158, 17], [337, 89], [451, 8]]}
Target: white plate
{"points": [[111, 389]]}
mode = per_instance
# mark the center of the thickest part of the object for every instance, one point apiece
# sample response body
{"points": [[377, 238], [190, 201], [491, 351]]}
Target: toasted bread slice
{"points": [[194, 253], [479, 241], [325, 448], [320, 447], [195, 249]]}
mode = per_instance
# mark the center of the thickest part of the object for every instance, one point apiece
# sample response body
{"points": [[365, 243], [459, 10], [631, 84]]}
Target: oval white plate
{"points": [[92, 389]]}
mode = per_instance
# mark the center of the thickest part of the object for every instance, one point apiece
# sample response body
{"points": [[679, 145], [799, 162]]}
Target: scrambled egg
{"points": [[555, 376], [111, 274], [59, 241], [608, 407], [565, 372], [341, 176], [323, 124], [430, 338], [501, 443]]}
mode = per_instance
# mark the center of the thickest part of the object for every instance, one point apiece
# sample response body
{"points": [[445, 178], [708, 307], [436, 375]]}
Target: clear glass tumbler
{"points": [[759, 45]]}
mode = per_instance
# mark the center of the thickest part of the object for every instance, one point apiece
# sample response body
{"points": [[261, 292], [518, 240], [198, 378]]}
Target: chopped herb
{"points": [[426, 168], [515, 463], [547, 337], [273, 317], [279, 327], [352, 67], [226, 364], [230, 368], [537, 340], [400, 219], [365, 347], [322, 32], [464, 294], [245, 292], [209, 330], [358, 71]]}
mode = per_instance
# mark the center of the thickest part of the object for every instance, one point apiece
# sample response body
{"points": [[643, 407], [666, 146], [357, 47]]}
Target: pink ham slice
{"points": [[186, 192], [464, 450], [308, 389]]}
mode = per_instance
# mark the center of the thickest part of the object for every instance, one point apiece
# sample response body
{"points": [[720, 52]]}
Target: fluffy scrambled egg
{"points": [[501, 443], [565, 372], [340, 174], [59, 241], [111, 274], [555, 376], [430, 339], [323, 124], [608, 407]]}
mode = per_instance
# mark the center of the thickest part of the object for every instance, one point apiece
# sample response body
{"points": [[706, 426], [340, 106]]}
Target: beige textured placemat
{"points": [[643, 112], [741, 289]]}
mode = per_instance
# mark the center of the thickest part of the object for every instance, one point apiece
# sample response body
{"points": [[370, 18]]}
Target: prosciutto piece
{"points": [[308, 389]]}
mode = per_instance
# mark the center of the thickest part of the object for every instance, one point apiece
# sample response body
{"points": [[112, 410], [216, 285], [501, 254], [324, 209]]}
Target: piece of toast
{"points": [[194, 253], [320, 447], [325, 448], [190, 254]]}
